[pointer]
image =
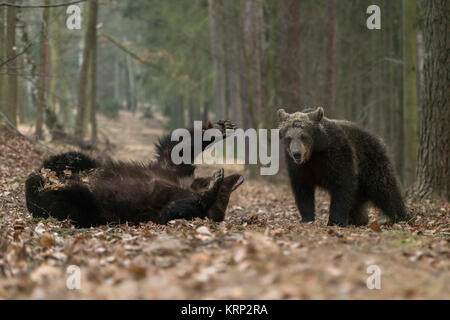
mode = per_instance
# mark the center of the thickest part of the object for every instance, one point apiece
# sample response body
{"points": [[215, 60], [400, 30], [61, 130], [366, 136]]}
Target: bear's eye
{"points": [[288, 139]]}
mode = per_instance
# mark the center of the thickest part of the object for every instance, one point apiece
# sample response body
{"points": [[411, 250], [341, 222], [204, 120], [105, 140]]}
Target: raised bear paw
{"points": [[223, 125]]}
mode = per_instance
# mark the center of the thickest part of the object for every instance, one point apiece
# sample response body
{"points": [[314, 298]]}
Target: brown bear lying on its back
{"points": [[347, 161], [90, 193]]}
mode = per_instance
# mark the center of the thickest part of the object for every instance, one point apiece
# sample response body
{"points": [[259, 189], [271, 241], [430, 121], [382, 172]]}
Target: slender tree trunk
{"points": [[420, 59], [132, 104], [43, 72], [21, 96], [290, 55], [331, 61], [53, 79], [252, 24], [218, 57], [12, 83], [258, 59], [81, 110], [94, 74], [2, 58], [433, 168], [410, 87], [232, 34]]}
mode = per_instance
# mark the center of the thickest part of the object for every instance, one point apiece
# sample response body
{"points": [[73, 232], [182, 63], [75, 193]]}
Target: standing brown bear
{"points": [[347, 161]]}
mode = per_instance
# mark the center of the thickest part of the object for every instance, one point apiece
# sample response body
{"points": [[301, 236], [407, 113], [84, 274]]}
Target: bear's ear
{"points": [[316, 115], [282, 115]]}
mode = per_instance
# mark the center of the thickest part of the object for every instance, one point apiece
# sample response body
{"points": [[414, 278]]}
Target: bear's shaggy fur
{"points": [[90, 193], [347, 161]]}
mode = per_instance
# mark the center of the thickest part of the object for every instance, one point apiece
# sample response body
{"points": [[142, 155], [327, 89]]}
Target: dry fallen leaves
{"points": [[259, 251]]}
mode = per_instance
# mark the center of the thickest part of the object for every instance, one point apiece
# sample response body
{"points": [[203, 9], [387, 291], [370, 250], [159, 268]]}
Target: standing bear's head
{"points": [[299, 132]]}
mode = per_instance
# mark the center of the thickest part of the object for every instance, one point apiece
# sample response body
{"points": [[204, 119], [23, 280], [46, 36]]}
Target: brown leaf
{"points": [[374, 226], [46, 240], [138, 271]]}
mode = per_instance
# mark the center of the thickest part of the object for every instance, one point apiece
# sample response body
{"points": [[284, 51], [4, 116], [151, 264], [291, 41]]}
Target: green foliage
{"points": [[110, 108], [147, 113]]}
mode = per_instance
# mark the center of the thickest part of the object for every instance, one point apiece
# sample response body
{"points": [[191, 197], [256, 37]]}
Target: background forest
{"points": [[138, 68], [236, 59]]}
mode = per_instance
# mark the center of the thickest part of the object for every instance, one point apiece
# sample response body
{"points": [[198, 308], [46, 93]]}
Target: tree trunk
{"points": [[43, 72], [81, 110], [94, 74], [2, 58], [290, 55], [218, 57], [331, 61], [11, 52], [252, 24], [410, 87], [433, 168], [232, 53]]}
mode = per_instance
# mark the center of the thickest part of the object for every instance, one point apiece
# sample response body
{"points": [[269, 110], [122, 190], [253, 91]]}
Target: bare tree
{"points": [[11, 53], [290, 54], [94, 75], [82, 93], [433, 168], [44, 66], [410, 87], [2, 58], [218, 57], [331, 60]]}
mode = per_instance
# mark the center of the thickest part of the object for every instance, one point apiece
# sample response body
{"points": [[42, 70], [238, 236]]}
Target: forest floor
{"points": [[260, 251]]}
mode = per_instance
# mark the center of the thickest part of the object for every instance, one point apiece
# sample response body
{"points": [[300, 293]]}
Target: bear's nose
{"points": [[297, 154]]}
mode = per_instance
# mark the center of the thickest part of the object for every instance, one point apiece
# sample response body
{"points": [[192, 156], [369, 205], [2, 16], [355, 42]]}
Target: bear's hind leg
{"points": [[73, 161], [74, 202], [391, 203], [358, 214], [189, 205], [210, 195], [217, 211]]}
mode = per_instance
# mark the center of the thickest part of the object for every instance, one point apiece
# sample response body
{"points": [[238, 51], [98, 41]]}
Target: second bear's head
{"points": [[300, 132]]}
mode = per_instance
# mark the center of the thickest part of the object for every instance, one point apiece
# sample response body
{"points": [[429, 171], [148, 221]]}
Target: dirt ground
{"points": [[260, 251]]}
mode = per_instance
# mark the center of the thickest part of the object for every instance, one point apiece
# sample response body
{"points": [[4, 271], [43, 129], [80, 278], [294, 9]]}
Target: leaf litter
{"points": [[260, 251]]}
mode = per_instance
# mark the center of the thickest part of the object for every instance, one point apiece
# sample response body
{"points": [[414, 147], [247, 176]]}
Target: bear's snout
{"points": [[297, 154]]}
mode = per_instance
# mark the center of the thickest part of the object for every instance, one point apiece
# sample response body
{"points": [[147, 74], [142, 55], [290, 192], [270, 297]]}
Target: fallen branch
{"points": [[16, 56], [27, 6], [131, 53], [12, 126]]}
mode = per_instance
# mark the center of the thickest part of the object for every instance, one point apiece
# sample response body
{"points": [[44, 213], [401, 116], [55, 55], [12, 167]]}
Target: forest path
{"points": [[133, 136]]}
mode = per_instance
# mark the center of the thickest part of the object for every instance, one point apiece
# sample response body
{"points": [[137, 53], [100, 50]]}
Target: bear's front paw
{"points": [[306, 220], [217, 179]]}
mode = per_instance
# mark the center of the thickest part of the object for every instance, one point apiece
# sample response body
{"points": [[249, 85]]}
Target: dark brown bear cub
{"points": [[89, 193], [345, 160]]}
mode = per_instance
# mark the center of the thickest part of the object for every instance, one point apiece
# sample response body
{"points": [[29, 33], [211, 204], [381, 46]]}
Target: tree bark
{"points": [[43, 72], [94, 74], [11, 52], [2, 58], [218, 58], [81, 110], [232, 20], [331, 61], [410, 87], [252, 55], [433, 168], [290, 55]]}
